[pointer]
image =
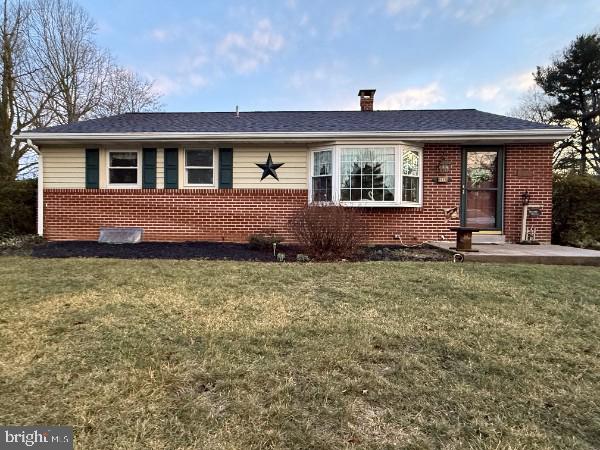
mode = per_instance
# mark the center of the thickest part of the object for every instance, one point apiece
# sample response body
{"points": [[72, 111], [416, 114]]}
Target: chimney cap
{"points": [[366, 92]]}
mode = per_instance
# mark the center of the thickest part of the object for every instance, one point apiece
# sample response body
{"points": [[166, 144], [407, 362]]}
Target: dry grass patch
{"points": [[191, 354]]}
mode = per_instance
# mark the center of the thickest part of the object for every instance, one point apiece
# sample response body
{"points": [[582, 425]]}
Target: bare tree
{"points": [[63, 35], [25, 95], [535, 106], [125, 91], [53, 72]]}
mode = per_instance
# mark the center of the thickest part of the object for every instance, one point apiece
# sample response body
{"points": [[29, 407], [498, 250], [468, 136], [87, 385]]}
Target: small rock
{"points": [[302, 258], [281, 257]]}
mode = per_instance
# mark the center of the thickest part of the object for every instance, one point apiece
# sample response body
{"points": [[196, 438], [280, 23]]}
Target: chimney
{"points": [[366, 99]]}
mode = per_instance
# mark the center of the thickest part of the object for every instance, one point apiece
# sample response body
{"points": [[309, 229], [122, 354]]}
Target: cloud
{"points": [[177, 84], [474, 11], [471, 11], [340, 22], [195, 69], [522, 82], [165, 85], [485, 93], [246, 52], [413, 98], [159, 34], [504, 89], [330, 74], [394, 7]]}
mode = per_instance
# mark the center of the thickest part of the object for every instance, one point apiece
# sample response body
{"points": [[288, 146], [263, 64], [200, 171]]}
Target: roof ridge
{"points": [[299, 121], [298, 111]]}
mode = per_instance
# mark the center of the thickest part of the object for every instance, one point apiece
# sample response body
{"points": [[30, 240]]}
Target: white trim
{"points": [[136, 185], [311, 169], [539, 134], [336, 175], [419, 150], [215, 156], [40, 193]]}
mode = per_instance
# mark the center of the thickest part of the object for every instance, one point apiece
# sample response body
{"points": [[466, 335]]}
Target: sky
{"points": [[315, 55]]}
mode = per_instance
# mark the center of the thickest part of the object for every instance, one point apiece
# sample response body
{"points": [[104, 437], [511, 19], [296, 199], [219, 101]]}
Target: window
{"points": [[368, 174], [384, 175], [123, 168], [199, 167], [410, 176], [321, 176]]}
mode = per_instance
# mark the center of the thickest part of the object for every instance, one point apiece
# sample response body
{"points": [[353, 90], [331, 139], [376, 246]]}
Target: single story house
{"points": [[221, 176]]}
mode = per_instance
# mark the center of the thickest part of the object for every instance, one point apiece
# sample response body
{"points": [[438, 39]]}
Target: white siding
{"points": [[292, 175], [160, 168], [64, 167]]}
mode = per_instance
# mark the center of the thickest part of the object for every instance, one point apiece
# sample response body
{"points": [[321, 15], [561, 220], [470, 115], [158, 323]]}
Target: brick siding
{"points": [[233, 214], [528, 167]]}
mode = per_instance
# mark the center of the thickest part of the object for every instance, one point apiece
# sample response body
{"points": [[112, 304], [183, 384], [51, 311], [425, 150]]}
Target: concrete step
{"points": [[528, 254], [488, 239]]}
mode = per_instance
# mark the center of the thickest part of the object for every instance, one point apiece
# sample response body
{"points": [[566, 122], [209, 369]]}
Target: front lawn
{"points": [[197, 354]]}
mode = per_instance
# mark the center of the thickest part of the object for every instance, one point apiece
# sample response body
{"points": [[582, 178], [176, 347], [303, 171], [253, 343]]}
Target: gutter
{"points": [[542, 134]]}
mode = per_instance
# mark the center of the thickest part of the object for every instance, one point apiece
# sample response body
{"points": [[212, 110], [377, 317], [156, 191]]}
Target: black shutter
{"points": [[92, 168], [149, 168], [225, 168], [171, 171]]}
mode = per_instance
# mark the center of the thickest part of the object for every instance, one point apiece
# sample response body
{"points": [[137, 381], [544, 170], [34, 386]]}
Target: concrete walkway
{"points": [[533, 254]]}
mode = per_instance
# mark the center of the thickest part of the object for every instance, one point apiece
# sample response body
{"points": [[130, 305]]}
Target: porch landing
{"points": [[532, 254]]}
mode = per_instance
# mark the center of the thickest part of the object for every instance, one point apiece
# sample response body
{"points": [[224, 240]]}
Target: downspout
{"points": [[40, 189]]}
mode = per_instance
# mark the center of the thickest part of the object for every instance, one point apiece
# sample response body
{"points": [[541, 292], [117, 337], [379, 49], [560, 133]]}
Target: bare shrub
{"points": [[328, 231]]}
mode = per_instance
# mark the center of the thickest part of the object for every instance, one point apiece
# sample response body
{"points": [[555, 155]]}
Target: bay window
{"points": [[410, 176], [374, 175], [199, 167], [123, 168], [367, 174], [321, 176]]}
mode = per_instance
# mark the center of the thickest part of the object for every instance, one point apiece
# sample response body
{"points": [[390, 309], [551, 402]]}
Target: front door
{"points": [[482, 187]]}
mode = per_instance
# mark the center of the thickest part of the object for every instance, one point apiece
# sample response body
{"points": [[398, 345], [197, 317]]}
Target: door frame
{"points": [[500, 176]]}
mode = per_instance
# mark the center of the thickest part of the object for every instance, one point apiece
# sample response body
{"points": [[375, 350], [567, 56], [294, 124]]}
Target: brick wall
{"points": [[231, 215], [416, 225], [170, 215], [528, 167]]}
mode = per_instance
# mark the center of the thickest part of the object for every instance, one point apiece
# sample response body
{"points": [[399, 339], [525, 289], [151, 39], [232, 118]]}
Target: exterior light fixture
{"points": [[444, 166]]}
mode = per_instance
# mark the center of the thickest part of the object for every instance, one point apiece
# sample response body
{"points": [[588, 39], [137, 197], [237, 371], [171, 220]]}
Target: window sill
{"points": [[380, 205], [123, 186]]}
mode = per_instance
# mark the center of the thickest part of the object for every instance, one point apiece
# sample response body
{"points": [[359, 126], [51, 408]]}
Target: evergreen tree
{"points": [[572, 81]]}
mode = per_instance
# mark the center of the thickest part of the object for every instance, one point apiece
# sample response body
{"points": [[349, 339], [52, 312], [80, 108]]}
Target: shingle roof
{"points": [[299, 121]]}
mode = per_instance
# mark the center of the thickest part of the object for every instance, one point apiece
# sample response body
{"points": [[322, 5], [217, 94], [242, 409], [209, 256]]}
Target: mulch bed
{"points": [[414, 253], [152, 250], [216, 251]]}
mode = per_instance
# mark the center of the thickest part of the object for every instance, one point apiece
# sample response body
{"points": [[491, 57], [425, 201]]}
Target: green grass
{"points": [[195, 354]]}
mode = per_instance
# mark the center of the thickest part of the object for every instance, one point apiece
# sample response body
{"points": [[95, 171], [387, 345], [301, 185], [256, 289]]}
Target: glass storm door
{"points": [[482, 188]]}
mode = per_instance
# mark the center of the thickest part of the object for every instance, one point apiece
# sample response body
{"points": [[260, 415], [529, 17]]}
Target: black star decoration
{"points": [[269, 168]]}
